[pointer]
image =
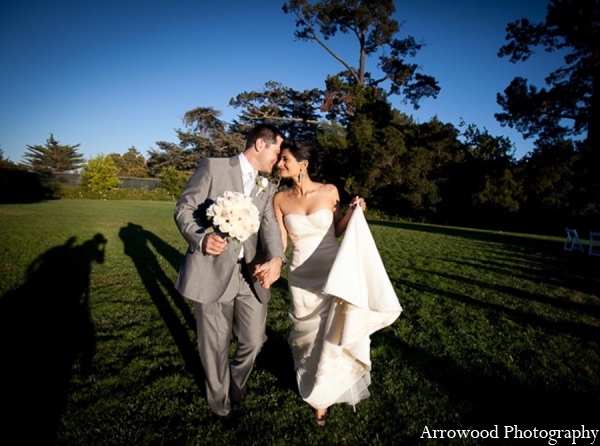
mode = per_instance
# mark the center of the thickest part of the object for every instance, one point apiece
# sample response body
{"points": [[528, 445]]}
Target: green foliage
{"points": [[494, 187], [159, 194], [131, 164], [560, 184], [333, 145], [499, 192], [491, 320], [296, 113], [550, 179], [53, 157], [171, 155], [99, 174], [206, 136], [486, 147], [415, 162], [7, 164], [173, 180], [378, 148]]}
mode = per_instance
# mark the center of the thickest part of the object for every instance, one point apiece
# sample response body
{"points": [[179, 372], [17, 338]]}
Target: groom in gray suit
{"points": [[222, 278]]}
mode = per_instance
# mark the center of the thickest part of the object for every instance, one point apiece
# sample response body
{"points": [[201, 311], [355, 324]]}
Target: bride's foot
{"points": [[321, 416]]}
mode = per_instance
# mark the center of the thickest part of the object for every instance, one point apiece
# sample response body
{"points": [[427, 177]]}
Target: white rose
{"points": [[245, 214], [215, 209], [235, 231], [225, 227]]}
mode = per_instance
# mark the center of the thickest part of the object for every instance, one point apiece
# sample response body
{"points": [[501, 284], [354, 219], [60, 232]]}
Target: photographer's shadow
{"points": [[45, 327], [171, 306]]}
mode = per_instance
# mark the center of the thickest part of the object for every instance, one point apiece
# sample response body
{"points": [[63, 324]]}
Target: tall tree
{"points": [[370, 22], [53, 157], [433, 150], [296, 113], [570, 103], [350, 90], [206, 135], [551, 180], [489, 172]]}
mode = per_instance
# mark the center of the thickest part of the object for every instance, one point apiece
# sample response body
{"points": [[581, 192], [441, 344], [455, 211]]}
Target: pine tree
{"points": [[53, 157]]}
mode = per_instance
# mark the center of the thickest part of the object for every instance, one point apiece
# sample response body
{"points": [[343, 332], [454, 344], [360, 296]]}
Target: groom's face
{"points": [[269, 155]]}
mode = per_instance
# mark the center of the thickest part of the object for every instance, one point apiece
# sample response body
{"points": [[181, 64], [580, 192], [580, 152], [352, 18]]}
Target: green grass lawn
{"points": [[97, 348]]}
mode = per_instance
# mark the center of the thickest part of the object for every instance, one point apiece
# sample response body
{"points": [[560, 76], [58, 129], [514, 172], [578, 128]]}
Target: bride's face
{"points": [[288, 165]]}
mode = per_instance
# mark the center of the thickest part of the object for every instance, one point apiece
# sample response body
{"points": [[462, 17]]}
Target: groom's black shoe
{"points": [[226, 420], [238, 395]]}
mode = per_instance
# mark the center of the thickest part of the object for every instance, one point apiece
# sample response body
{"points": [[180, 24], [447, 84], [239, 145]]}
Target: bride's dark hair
{"points": [[305, 151]]}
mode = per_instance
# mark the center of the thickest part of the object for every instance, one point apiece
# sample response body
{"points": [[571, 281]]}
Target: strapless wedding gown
{"points": [[330, 334]]}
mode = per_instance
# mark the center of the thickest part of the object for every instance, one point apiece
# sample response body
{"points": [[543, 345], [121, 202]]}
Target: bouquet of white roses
{"points": [[233, 215]]}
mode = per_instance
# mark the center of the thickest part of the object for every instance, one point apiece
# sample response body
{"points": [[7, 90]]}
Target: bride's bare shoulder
{"points": [[281, 195], [324, 187], [330, 189]]}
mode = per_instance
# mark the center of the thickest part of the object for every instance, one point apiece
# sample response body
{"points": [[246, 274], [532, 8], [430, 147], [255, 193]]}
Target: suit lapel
{"points": [[255, 188], [236, 174]]}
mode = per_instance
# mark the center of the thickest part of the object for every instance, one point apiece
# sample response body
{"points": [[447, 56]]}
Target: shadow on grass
{"points": [[575, 271], [276, 355], [171, 305], [482, 401], [517, 293], [45, 326], [526, 268], [484, 236], [584, 331]]}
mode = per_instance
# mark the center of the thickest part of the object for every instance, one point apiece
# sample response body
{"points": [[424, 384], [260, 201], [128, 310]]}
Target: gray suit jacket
{"points": [[203, 278]]}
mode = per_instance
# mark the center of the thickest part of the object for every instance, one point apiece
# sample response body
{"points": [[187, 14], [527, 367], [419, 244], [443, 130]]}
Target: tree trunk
{"points": [[361, 64]]}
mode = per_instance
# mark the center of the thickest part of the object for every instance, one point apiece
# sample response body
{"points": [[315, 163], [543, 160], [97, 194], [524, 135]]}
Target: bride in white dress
{"points": [[309, 213]]}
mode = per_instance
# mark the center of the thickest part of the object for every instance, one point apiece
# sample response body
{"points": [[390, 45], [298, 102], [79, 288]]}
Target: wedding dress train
{"points": [[339, 296]]}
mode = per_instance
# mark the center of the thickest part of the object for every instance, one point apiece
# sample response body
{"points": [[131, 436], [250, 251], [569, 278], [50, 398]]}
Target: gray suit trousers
{"points": [[239, 310]]}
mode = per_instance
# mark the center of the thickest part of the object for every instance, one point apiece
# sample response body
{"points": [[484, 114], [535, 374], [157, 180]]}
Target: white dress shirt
{"points": [[248, 174], [248, 180]]}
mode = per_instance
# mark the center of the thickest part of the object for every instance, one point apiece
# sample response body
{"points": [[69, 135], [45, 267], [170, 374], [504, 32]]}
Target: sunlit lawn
{"points": [[98, 349]]}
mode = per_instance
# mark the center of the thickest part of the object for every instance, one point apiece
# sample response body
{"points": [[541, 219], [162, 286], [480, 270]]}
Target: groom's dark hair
{"points": [[267, 132]]}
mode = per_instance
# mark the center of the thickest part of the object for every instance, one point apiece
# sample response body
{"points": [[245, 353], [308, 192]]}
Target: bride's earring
{"points": [[301, 177]]}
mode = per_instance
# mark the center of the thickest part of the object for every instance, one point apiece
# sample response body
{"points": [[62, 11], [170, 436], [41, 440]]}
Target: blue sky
{"points": [[114, 74]]}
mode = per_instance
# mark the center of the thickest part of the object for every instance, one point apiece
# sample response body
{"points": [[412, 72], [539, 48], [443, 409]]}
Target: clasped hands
{"points": [[266, 273]]}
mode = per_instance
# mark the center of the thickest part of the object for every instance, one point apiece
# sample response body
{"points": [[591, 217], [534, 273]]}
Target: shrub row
{"points": [[159, 194]]}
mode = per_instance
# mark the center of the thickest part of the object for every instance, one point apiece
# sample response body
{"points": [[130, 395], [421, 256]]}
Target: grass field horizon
{"points": [[498, 329]]}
